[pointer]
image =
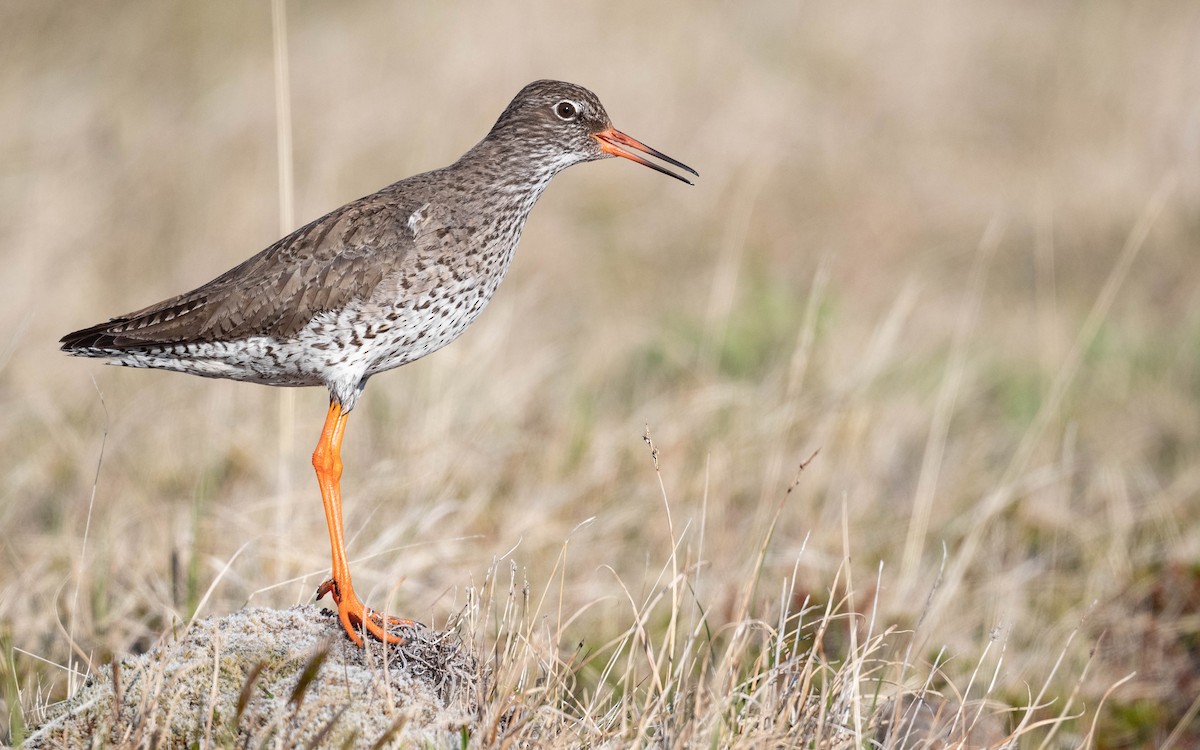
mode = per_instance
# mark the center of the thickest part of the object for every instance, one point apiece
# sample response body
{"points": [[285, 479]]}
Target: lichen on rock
{"points": [[266, 677]]}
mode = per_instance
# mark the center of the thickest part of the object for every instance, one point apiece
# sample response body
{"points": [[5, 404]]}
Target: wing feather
{"points": [[321, 267]]}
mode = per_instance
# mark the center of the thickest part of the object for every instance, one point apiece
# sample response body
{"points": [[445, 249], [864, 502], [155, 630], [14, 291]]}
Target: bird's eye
{"points": [[566, 110]]}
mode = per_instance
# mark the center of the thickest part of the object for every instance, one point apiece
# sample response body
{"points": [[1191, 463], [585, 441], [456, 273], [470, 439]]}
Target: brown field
{"points": [[953, 247]]}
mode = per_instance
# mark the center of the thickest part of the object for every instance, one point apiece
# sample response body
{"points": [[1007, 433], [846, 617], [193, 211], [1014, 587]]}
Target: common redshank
{"points": [[375, 284]]}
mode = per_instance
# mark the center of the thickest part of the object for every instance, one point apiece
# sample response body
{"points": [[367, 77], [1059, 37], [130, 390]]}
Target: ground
{"points": [[262, 676]]}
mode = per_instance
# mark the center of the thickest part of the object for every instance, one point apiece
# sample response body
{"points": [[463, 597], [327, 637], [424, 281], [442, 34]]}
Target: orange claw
{"points": [[354, 616]]}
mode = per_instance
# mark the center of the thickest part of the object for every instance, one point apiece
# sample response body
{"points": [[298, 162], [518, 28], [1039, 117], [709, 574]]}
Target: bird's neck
{"points": [[510, 170]]}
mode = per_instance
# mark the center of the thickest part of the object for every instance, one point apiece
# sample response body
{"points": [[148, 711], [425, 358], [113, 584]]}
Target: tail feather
{"points": [[100, 340]]}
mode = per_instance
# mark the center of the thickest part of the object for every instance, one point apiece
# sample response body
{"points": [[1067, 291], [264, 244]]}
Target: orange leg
{"points": [[327, 460]]}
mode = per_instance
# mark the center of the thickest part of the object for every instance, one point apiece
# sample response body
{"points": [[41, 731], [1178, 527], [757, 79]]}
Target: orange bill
{"points": [[613, 141]]}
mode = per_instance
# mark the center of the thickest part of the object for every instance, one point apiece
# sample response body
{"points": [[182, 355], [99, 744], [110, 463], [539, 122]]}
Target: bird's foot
{"points": [[356, 617]]}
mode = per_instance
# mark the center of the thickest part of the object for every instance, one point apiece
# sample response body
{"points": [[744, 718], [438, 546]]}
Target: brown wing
{"points": [[320, 267]]}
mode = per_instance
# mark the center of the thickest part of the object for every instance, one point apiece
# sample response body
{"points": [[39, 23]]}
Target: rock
{"points": [[279, 678]]}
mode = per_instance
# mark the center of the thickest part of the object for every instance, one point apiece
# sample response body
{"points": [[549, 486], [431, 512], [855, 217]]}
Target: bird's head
{"points": [[559, 124]]}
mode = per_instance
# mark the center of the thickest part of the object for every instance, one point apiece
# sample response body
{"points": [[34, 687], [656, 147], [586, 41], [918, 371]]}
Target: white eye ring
{"points": [[567, 110]]}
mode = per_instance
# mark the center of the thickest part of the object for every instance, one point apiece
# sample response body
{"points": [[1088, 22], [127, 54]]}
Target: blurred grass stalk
{"points": [[287, 222]]}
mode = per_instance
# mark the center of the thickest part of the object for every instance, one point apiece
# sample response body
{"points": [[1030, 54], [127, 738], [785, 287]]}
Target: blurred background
{"points": [[953, 246]]}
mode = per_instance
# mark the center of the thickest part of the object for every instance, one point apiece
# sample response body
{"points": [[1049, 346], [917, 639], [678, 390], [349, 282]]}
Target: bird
{"points": [[378, 283]]}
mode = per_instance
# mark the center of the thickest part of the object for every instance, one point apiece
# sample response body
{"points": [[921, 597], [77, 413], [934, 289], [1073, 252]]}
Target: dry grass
{"points": [[951, 245]]}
